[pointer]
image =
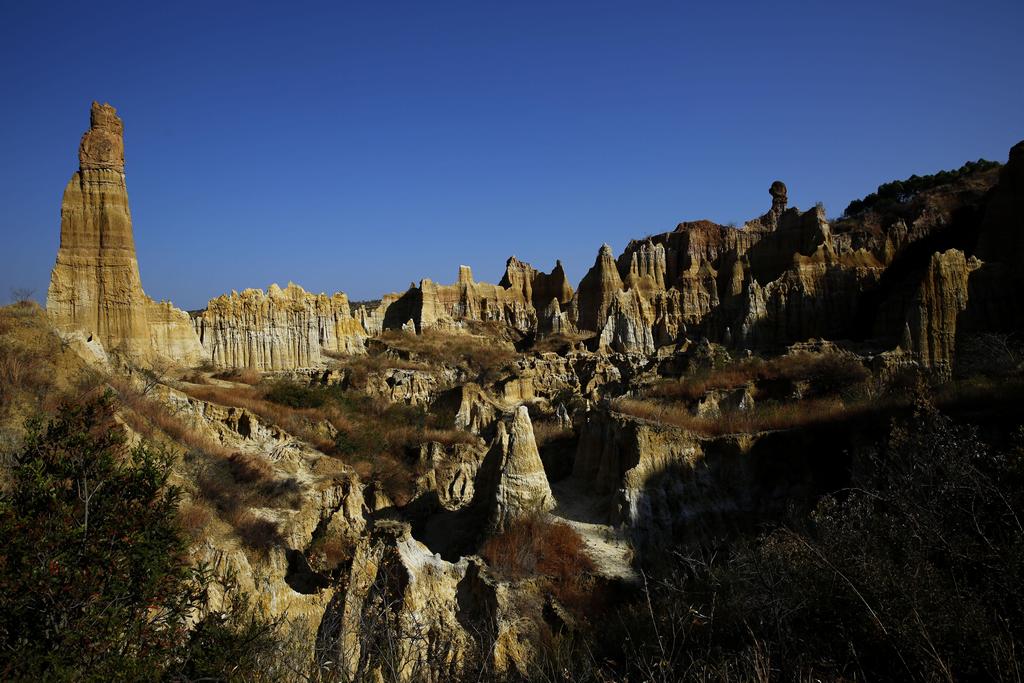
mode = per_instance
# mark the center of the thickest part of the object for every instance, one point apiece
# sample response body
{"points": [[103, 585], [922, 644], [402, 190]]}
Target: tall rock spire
{"points": [[95, 286]]}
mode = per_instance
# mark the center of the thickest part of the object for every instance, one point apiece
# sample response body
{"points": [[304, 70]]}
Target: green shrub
{"points": [[295, 395], [95, 583]]}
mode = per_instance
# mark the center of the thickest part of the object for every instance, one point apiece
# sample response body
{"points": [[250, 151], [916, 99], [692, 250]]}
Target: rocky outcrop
{"points": [[941, 299], [522, 487], [280, 329], [525, 300], [597, 290], [661, 482], [420, 618], [785, 276], [95, 287]]}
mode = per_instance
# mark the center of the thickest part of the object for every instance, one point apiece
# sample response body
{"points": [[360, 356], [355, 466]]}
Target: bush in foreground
{"points": [[94, 578], [915, 573]]}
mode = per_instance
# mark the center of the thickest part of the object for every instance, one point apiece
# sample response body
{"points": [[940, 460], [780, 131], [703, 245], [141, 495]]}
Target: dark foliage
{"points": [[891, 195], [914, 574], [93, 573]]}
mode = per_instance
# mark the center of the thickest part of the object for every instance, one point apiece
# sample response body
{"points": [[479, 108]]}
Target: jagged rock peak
{"points": [[281, 329], [597, 289], [523, 488], [95, 287], [102, 146]]}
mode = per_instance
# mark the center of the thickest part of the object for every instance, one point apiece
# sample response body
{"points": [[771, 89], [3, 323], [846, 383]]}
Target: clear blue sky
{"points": [[361, 146]]}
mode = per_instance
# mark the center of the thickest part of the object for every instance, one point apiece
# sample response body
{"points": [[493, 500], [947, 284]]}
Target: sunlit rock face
{"points": [[526, 300], [522, 487], [95, 287], [280, 329]]}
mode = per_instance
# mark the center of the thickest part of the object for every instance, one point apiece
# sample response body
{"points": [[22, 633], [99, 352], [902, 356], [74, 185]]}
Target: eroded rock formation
{"points": [[522, 488], [95, 287], [783, 277], [408, 612], [279, 329]]}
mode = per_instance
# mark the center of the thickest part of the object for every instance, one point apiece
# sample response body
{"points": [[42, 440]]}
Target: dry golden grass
{"points": [[481, 355], [257, 533], [545, 431], [328, 552], [247, 468], [194, 517], [31, 358], [537, 546], [758, 419], [249, 376], [149, 417], [297, 421], [384, 437], [827, 372]]}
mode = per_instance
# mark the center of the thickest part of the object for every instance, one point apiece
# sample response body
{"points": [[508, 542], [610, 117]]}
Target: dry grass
{"points": [[30, 355], [546, 431], [250, 376], [481, 355], [558, 343], [328, 552], [194, 517], [537, 546], [247, 468], [825, 373], [761, 418], [149, 417], [257, 533], [297, 421], [384, 437]]}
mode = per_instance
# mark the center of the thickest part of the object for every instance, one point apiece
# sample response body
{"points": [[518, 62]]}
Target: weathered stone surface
{"points": [[597, 290], [280, 329], [522, 488], [523, 297], [102, 146], [932, 315], [95, 287], [420, 618]]}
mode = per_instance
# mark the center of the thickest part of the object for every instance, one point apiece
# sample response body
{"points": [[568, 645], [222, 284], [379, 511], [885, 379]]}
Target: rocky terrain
{"points": [[447, 482]]}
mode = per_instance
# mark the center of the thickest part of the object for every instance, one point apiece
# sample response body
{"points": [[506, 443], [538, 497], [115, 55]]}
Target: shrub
{"points": [[914, 572], [94, 575], [258, 533], [553, 550], [250, 376], [295, 395], [545, 431], [194, 517], [247, 468]]}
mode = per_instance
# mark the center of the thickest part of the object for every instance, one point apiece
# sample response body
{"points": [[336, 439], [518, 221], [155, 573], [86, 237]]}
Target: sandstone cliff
{"points": [[525, 299], [522, 488], [280, 329], [95, 287]]}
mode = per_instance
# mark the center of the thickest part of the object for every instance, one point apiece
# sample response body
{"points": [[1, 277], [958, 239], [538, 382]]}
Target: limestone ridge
{"points": [[96, 291], [95, 287]]}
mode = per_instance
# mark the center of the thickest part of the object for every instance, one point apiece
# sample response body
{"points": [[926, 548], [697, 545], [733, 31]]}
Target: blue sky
{"points": [[362, 146]]}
